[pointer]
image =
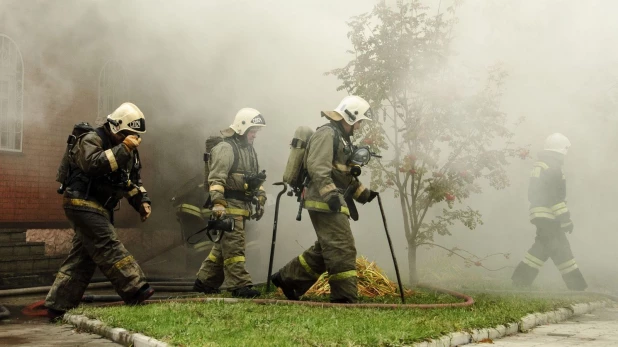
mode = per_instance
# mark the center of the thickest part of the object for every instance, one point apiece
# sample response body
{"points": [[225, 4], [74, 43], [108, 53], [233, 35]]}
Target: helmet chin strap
{"points": [[115, 139], [344, 126], [242, 138]]}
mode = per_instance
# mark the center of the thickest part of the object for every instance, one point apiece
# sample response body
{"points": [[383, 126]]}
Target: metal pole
{"points": [[272, 245], [390, 245]]}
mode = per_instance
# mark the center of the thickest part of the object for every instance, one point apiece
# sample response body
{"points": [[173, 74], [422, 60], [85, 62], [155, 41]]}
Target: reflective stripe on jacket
{"points": [[547, 189]]}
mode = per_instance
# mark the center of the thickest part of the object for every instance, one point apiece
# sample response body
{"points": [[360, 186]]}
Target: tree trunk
{"points": [[412, 273]]}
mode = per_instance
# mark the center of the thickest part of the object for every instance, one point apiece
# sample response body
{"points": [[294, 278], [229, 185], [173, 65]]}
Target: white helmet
{"points": [[351, 109], [557, 143], [245, 119], [127, 117]]}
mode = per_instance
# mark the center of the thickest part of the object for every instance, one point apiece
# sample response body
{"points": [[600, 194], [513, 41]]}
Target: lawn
{"points": [[250, 324]]}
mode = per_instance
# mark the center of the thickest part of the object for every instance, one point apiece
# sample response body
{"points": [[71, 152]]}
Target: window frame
{"points": [[19, 99], [102, 90]]}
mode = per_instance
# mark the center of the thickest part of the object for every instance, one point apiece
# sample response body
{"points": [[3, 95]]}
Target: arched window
{"points": [[11, 95], [113, 89]]}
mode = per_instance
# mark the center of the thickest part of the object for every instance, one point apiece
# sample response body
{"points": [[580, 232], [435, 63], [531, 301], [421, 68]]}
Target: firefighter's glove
{"points": [[145, 211], [131, 142], [334, 204], [259, 208], [218, 211], [567, 227], [372, 195]]}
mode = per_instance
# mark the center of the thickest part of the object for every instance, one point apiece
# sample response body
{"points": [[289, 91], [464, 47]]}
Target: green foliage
{"points": [[440, 139]]}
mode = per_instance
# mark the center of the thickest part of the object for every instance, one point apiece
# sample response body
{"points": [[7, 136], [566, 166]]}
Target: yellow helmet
{"points": [[127, 117], [245, 119]]}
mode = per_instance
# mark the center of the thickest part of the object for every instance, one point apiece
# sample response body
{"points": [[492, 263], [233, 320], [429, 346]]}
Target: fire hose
{"points": [[467, 301]]}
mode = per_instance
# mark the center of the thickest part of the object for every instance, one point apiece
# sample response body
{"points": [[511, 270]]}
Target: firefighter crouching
{"points": [[329, 177], [104, 167], [234, 183], [551, 216]]}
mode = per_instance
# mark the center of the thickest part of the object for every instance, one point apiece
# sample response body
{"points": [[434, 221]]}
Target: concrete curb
{"points": [[526, 323], [118, 335]]}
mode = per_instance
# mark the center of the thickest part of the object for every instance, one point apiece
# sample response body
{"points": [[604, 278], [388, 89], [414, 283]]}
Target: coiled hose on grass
{"points": [[468, 301], [38, 309]]}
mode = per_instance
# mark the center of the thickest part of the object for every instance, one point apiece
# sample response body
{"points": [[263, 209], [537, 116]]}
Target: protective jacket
{"points": [[547, 190], [101, 175], [232, 162], [326, 161]]}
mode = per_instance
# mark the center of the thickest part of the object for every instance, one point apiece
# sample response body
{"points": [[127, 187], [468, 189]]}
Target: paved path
{"points": [[24, 331], [597, 329], [42, 334]]}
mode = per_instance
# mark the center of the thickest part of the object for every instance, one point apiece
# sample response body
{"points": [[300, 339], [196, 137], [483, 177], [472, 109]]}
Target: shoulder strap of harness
{"points": [[106, 141], [235, 150], [85, 182], [336, 139], [257, 163]]}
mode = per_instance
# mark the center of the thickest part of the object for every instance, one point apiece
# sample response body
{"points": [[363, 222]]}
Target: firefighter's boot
{"points": [[200, 287], [143, 294], [245, 292], [289, 292], [575, 280], [524, 275]]}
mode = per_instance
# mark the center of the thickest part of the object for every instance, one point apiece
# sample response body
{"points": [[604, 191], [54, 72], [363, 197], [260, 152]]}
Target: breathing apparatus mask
{"points": [[360, 157], [214, 229], [119, 179], [253, 182]]}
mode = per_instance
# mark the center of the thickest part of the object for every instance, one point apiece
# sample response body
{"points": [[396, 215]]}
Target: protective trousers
{"points": [[95, 244], [550, 242], [334, 252], [225, 265]]}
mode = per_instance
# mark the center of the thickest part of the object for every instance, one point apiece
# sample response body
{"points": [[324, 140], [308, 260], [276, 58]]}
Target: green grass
{"points": [[249, 324]]}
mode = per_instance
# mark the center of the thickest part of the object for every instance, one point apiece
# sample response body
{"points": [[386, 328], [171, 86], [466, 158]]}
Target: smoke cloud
{"points": [[192, 64]]}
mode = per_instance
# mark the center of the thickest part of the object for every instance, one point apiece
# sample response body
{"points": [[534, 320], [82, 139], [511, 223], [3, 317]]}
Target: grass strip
{"points": [[249, 324]]}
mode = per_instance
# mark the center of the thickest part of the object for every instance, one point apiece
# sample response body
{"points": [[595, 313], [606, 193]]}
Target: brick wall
{"points": [[60, 90], [143, 244], [27, 179]]}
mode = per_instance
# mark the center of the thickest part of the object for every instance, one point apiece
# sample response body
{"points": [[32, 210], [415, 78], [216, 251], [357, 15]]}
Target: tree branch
{"points": [[461, 256]]}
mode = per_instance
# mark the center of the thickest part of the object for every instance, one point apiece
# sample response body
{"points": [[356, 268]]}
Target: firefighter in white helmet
{"points": [[104, 167], [234, 188], [552, 218], [329, 169]]}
